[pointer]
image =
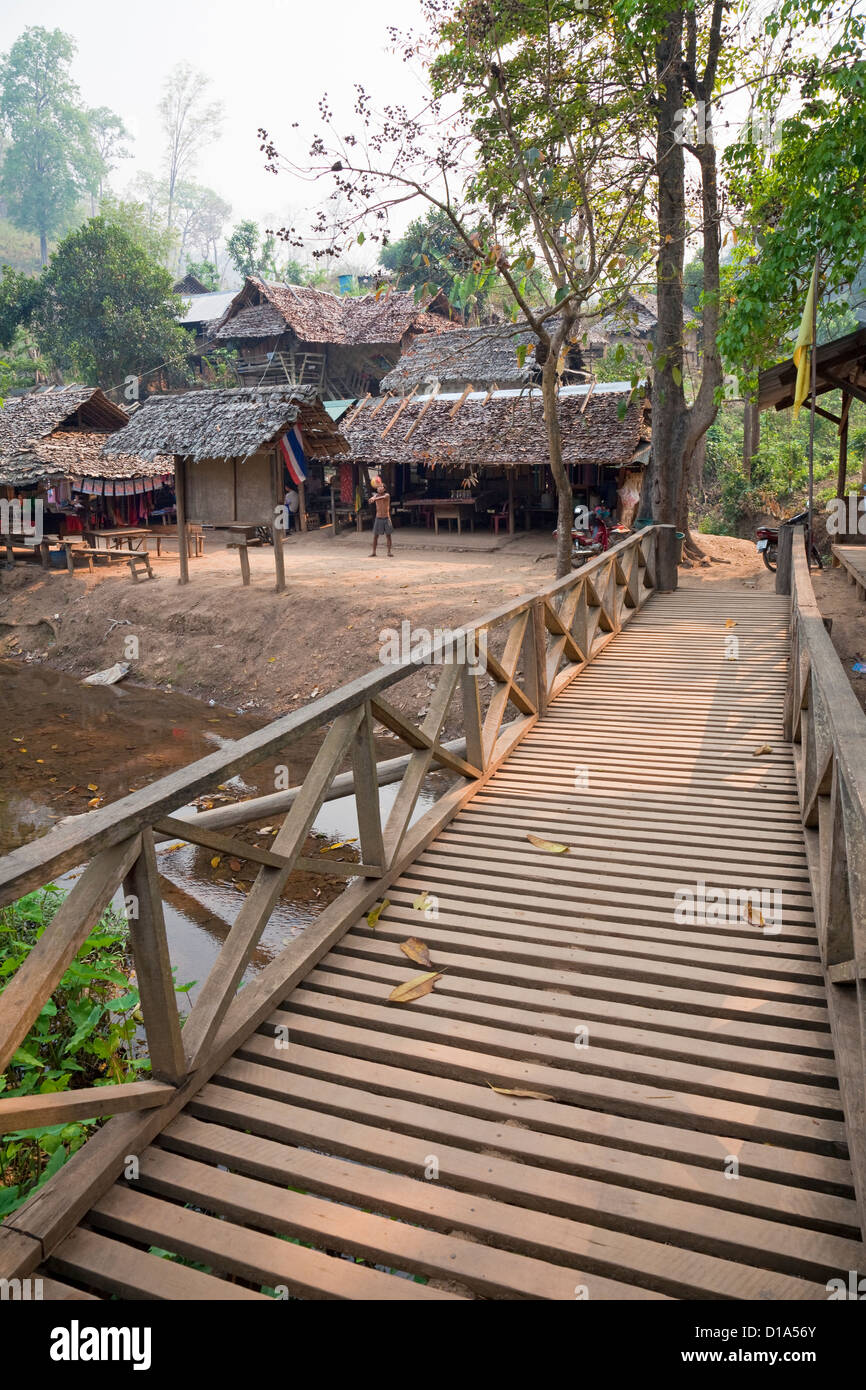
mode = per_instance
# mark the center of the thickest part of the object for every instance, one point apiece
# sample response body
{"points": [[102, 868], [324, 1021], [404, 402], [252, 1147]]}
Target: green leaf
{"points": [[677, 376], [23, 1058]]}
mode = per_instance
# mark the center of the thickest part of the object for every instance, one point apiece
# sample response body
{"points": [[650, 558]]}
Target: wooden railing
{"points": [[828, 729], [534, 647]]}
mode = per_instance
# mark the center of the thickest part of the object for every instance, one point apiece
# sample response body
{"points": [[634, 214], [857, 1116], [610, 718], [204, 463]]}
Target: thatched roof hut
{"points": [[607, 425], [233, 424], [62, 433]]}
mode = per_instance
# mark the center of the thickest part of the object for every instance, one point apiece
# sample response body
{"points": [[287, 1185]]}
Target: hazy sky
{"points": [[269, 63]]}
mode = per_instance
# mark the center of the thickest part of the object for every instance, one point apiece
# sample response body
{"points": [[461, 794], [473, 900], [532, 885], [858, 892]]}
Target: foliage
{"points": [[106, 309], [84, 1036], [21, 366], [622, 362], [18, 248], [249, 254], [19, 296], [778, 484], [136, 219], [110, 137], [803, 197], [205, 272], [431, 251], [53, 157]]}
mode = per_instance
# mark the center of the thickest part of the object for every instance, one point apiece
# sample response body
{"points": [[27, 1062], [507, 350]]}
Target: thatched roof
{"points": [[484, 356], [265, 310], [637, 318], [230, 424], [501, 427], [61, 433], [74, 454], [25, 418]]}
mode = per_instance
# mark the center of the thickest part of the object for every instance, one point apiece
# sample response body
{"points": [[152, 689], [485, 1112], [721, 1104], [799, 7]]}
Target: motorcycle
{"points": [[592, 534], [767, 544]]}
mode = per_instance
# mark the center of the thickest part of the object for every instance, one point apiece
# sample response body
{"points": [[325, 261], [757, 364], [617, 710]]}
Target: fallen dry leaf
{"points": [[764, 748], [731, 622], [523, 1095], [550, 845], [234, 865], [416, 950], [215, 862], [96, 801], [755, 915], [414, 989], [92, 787], [422, 902], [181, 844], [339, 845], [376, 912]]}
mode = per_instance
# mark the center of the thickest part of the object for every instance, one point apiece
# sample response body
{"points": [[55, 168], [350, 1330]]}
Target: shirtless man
{"points": [[382, 525]]}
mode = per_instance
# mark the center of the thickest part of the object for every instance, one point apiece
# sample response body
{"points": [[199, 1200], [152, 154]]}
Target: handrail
{"points": [[547, 638], [824, 721]]}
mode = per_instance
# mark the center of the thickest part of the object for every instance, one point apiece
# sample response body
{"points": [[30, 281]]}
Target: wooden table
{"points": [[134, 536], [852, 558], [444, 509]]}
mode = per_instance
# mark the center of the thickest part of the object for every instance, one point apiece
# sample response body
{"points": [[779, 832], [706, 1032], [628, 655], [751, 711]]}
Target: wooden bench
{"points": [[194, 538], [138, 562], [852, 558], [92, 553], [242, 547]]}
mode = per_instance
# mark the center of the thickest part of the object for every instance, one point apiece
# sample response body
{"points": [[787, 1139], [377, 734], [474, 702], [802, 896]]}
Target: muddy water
{"points": [[64, 745]]}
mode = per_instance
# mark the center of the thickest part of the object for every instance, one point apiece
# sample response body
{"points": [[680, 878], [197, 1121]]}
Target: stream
{"points": [[65, 745]]}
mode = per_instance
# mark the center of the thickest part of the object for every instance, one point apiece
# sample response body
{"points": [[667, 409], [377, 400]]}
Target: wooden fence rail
{"points": [[827, 726], [542, 641]]}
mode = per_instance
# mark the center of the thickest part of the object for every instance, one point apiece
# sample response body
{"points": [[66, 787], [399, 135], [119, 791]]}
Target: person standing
{"points": [[292, 501], [382, 525]]}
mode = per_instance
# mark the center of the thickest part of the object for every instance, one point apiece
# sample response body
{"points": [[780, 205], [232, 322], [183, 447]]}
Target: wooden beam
{"points": [[856, 391], [225, 975], [35, 981], [421, 413], [467, 390], [92, 1102], [180, 499], [398, 412], [153, 966]]}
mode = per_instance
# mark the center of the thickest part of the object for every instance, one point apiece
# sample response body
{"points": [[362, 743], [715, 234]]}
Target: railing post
{"points": [[535, 656], [784, 557], [666, 559]]}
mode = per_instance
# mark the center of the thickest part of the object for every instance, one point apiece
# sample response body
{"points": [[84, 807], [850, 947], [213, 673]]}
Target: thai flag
{"points": [[292, 447]]}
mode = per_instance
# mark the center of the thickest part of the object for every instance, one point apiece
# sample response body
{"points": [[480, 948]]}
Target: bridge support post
{"points": [[667, 559], [784, 557]]}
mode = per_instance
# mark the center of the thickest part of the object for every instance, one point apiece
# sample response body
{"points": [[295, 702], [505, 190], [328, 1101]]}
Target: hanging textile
{"points": [[347, 486]]}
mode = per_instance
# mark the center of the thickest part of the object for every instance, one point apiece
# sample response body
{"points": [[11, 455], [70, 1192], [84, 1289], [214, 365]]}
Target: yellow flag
{"points": [[804, 341]]}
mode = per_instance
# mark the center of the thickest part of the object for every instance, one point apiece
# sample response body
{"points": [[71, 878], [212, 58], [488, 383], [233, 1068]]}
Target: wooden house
{"points": [[341, 345], [490, 442], [52, 447], [226, 449]]}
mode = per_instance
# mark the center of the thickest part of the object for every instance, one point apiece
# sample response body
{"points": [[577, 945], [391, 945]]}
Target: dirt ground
{"points": [[258, 651]]}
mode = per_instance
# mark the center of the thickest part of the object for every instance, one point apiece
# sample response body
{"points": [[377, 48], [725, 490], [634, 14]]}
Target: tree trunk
{"points": [[43, 248], [668, 398], [565, 499]]}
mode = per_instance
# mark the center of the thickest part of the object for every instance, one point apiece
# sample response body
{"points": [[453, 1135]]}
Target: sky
{"points": [[269, 64]]}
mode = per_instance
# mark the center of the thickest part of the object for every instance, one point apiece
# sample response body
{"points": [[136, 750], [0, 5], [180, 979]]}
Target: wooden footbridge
{"points": [[639, 1072]]}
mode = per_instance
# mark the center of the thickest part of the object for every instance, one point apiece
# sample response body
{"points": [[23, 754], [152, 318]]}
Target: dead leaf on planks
{"points": [[764, 748], [550, 845], [422, 902], [376, 912], [521, 1095], [416, 950], [414, 989], [731, 622]]}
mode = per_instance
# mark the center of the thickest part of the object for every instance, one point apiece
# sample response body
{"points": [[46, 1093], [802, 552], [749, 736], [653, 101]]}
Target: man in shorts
{"points": [[382, 524]]}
